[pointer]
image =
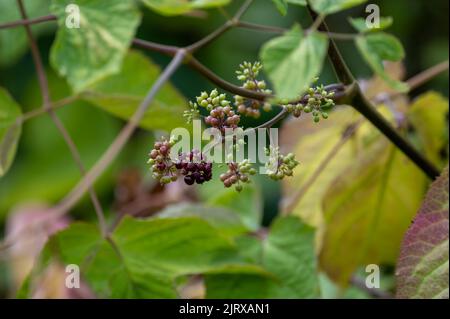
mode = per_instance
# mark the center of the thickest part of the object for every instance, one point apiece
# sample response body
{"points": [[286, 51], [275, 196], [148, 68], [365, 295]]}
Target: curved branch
{"points": [[427, 75], [366, 108]]}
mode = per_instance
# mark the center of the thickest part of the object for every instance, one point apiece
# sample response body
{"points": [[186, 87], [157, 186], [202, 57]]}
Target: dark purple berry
{"points": [[189, 180]]}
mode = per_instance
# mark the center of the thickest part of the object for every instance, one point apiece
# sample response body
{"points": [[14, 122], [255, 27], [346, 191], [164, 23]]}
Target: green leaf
{"points": [[428, 116], [333, 6], [221, 218], [361, 25], [293, 60], [297, 2], [361, 227], [144, 257], [423, 268], [281, 5], [121, 94], [96, 49], [247, 205], [177, 7], [378, 47], [10, 130], [237, 286], [287, 253], [13, 41]]}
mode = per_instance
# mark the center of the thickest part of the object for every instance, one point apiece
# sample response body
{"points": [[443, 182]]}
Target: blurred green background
{"points": [[43, 169]]}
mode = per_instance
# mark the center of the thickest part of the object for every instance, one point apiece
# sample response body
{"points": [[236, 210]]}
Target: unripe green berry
{"points": [[261, 85], [165, 180]]}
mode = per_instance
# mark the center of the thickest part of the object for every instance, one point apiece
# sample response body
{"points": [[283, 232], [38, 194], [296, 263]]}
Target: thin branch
{"points": [[242, 10], [23, 22], [221, 30], [210, 37], [210, 75], [366, 108], [43, 83], [260, 27], [72, 198], [341, 36], [277, 118], [54, 106], [427, 75], [415, 82], [152, 46], [318, 19]]}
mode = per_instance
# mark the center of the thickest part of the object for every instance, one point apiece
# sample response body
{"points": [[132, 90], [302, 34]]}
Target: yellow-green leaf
{"points": [[315, 142], [177, 7], [333, 6], [10, 130], [428, 115], [121, 94], [368, 209]]}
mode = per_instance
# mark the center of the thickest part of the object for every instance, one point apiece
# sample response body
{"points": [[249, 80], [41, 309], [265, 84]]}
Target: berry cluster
{"points": [[248, 74], [317, 102], [163, 168], [237, 173], [279, 166], [194, 167], [221, 114]]}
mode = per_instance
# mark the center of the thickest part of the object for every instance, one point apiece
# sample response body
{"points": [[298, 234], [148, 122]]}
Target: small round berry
{"points": [[189, 180], [164, 150], [153, 154]]}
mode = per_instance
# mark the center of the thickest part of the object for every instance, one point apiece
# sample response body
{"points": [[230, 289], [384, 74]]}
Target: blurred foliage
{"points": [[360, 206]]}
